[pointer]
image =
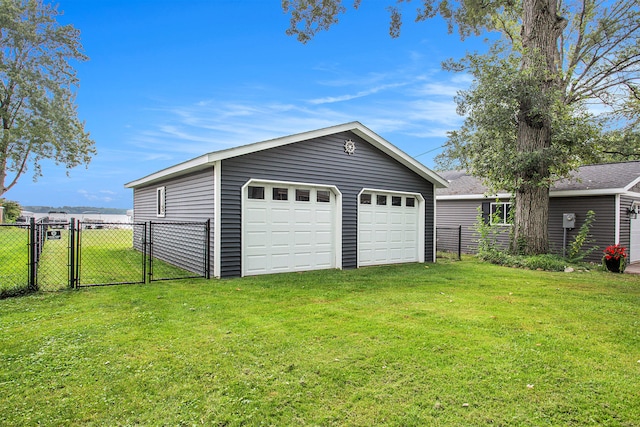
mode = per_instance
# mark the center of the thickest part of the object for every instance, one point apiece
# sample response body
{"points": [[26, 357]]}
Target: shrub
{"points": [[576, 253]]}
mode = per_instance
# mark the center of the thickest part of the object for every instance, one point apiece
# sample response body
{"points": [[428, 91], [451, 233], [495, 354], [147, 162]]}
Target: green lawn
{"points": [[14, 259], [450, 344]]}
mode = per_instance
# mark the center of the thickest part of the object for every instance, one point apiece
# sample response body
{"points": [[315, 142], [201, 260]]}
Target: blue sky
{"points": [[168, 81]]}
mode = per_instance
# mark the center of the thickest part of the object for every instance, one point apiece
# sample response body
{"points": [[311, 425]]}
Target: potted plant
{"points": [[615, 258]]}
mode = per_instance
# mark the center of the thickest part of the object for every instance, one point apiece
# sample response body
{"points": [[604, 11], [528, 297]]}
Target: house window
{"points": [[323, 196], [161, 201], [302, 195], [381, 200], [410, 202], [365, 199], [280, 193], [256, 192], [500, 213], [396, 201]]}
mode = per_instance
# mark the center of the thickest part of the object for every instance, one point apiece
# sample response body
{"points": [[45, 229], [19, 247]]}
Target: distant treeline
{"points": [[74, 209]]}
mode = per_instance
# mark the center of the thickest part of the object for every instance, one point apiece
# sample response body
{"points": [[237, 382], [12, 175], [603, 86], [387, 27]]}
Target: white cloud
{"points": [[409, 104]]}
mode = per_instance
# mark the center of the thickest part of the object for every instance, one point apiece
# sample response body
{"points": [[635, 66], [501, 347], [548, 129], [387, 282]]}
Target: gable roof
{"points": [[359, 129], [600, 179]]}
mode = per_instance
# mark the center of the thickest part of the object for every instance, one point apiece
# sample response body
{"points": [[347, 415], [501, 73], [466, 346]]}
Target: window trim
{"points": [[251, 193], [303, 195], [276, 195], [161, 202], [505, 214]]}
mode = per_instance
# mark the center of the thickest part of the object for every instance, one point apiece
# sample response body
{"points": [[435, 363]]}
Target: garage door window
{"points": [[365, 199], [410, 202], [381, 200], [302, 195], [280, 193], [323, 196], [396, 201], [256, 193]]}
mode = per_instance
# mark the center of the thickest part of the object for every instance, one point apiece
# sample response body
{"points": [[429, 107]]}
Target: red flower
{"points": [[615, 252]]}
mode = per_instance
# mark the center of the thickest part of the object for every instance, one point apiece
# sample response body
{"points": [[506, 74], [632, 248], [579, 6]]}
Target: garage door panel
{"points": [[258, 264], [255, 216], [278, 238], [303, 217], [381, 236], [381, 218], [324, 238]]}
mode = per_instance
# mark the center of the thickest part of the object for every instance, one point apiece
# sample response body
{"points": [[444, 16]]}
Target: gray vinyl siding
{"points": [[625, 220], [452, 213], [602, 229], [318, 161], [188, 198], [456, 213]]}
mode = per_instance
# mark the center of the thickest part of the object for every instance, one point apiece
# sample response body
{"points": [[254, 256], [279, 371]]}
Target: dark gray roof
{"points": [[607, 176]]}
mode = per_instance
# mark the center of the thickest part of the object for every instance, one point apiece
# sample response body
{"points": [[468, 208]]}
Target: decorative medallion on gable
{"points": [[349, 147]]}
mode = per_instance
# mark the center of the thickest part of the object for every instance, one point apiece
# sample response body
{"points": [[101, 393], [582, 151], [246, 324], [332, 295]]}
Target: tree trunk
{"points": [[541, 29]]}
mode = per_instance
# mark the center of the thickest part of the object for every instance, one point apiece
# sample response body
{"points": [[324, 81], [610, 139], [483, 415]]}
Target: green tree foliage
{"points": [[529, 114], [37, 92], [11, 209]]}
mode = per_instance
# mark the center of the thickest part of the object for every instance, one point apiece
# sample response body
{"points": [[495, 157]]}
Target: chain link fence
{"points": [[53, 256], [106, 254], [449, 242], [52, 263], [178, 244], [14, 260]]}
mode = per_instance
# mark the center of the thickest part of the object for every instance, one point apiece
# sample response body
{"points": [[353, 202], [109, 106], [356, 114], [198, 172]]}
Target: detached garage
{"points": [[339, 197]]}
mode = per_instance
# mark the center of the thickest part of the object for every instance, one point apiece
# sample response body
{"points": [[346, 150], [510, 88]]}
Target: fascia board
{"points": [[394, 152], [179, 169], [631, 194], [632, 184], [562, 193], [578, 193], [278, 142], [355, 127], [212, 158], [474, 196]]}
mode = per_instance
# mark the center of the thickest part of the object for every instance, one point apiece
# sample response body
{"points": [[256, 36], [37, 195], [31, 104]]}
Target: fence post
{"points": [[72, 253], [144, 252], [150, 251], [33, 283], [459, 242], [207, 260]]}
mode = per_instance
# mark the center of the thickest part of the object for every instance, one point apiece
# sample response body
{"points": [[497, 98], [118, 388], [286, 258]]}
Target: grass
{"points": [[107, 257], [451, 344], [14, 260]]}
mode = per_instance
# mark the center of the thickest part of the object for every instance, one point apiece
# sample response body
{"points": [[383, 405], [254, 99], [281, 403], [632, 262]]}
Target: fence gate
{"points": [[106, 254], [49, 256]]}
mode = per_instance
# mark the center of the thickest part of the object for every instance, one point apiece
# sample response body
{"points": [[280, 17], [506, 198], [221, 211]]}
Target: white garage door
{"points": [[634, 247], [288, 227], [389, 228]]}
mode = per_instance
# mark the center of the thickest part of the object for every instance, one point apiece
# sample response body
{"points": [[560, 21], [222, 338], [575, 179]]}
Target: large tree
{"points": [[37, 92], [527, 116]]}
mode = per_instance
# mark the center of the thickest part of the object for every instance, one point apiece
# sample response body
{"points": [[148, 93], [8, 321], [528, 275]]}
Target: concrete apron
{"points": [[633, 268]]}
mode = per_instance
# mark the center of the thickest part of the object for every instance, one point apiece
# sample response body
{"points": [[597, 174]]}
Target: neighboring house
{"points": [[612, 191], [339, 197]]}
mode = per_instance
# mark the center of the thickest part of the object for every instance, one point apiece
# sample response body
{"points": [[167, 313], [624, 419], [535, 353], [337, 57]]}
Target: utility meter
{"points": [[569, 220]]}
